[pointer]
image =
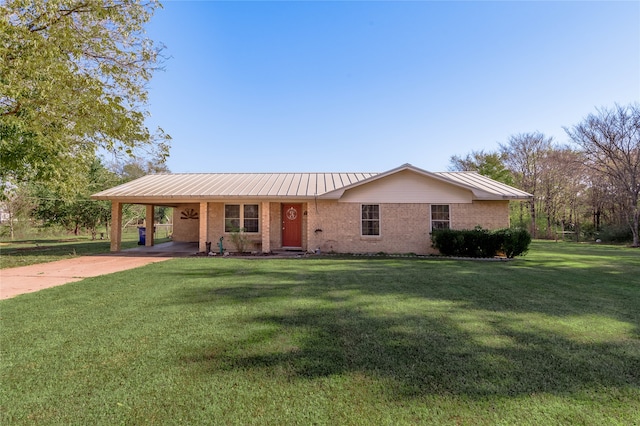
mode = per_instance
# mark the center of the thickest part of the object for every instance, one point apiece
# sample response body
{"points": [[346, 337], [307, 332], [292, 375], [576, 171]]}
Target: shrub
{"points": [[513, 242], [240, 240], [447, 241], [616, 234], [480, 242]]}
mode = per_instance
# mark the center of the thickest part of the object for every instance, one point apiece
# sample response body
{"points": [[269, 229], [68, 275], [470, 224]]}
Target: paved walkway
{"points": [[28, 279]]}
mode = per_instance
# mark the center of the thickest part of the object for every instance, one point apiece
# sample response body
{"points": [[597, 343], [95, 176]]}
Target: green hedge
{"points": [[480, 242]]}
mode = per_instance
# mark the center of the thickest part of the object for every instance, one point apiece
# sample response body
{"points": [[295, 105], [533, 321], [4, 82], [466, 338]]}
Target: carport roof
{"points": [[205, 186], [232, 185]]}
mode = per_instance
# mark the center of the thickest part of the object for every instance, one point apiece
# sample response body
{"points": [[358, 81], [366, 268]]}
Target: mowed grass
{"points": [[41, 250], [551, 338]]}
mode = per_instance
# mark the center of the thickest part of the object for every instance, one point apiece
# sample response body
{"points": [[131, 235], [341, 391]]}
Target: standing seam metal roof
{"points": [[271, 185], [218, 185], [485, 184]]}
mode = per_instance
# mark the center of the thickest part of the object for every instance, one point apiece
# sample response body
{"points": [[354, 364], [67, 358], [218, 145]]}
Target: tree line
{"points": [[32, 205], [74, 80], [589, 187], [73, 85]]}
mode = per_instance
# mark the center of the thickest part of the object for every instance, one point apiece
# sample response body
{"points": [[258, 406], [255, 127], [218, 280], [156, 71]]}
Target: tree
{"points": [[138, 167], [610, 140], [73, 77], [523, 153], [134, 169], [489, 164], [77, 210], [18, 205], [561, 181]]}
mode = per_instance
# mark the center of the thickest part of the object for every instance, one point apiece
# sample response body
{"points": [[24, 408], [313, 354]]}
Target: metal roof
{"points": [[232, 185], [194, 186], [480, 183]]}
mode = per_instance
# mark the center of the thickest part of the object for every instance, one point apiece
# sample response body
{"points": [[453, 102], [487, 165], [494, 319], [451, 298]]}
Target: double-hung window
{"points": [[241, 217], [440, 216], [370, 219]]}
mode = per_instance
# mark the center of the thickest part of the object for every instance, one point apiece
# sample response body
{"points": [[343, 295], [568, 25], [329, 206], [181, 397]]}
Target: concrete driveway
{"points": [[28, 279]]}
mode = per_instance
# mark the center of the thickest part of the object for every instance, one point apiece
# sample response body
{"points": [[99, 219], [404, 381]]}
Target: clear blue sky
{"points": [[368, 86]]}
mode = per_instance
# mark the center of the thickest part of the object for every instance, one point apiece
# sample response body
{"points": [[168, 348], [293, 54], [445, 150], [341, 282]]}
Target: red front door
{"points": [[292, 225]]}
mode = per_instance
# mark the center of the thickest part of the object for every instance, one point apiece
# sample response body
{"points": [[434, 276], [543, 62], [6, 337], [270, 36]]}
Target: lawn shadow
{"points": [[343, 320]]}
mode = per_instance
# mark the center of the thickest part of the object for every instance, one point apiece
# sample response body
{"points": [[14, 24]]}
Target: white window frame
{"points": [[431, 220], [241, 218], [379, 219]]}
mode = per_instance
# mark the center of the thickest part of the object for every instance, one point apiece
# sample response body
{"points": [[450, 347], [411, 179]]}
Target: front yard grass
{"points": [[551, 338], [43, 249]]}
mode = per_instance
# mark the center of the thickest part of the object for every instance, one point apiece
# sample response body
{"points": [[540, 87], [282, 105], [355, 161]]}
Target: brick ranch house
{"points": [[391, 212]]}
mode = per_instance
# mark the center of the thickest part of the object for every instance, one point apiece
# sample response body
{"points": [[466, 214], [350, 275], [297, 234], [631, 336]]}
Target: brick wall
{"points": [[404, 228], [333, 226], [488, 214], [185, 230]]}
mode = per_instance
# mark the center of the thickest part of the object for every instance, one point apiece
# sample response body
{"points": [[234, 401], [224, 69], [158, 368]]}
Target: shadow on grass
{"points": [[433, 356], [521, 286], [459, 328]]}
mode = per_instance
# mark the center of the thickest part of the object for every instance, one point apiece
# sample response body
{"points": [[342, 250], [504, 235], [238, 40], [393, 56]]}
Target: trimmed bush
{"points": [[480, 242], [513, 242], [616, 234]]}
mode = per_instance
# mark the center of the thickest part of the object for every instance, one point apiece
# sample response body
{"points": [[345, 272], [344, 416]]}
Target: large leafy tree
{"points": [[73, 77], [490, 164], [78, 210], [610, 140]]}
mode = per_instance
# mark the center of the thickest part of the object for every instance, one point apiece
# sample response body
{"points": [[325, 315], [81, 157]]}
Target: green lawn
{"points": [[551, 338], [41, 250]]}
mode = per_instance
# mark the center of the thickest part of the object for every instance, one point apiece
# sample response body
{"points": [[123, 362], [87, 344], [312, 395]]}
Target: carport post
{"points": [[202, 231], [116, 225], [265, 227], [150, 225]]}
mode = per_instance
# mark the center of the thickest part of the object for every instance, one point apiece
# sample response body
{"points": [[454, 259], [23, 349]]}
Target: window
{"points": [[250, 218], [440, 216], [241, 216], [370, 219]]}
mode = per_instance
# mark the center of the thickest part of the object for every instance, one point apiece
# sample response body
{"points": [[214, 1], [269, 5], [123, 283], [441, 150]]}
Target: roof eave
{"points": [[501, 198], [196, 198]]}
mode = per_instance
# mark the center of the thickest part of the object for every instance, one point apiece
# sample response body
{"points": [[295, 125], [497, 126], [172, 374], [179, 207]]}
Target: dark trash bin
{"points": [[142, 234]]}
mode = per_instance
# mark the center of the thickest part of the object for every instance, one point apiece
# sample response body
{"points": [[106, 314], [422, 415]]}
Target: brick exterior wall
{"points": [[488, 214], [332, 226], [275, 225], [404, 228], [185, 230], [336, 227]]}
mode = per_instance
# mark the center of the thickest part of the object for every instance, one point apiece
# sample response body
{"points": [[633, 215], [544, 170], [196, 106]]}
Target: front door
{"points": [[292, 225]]}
